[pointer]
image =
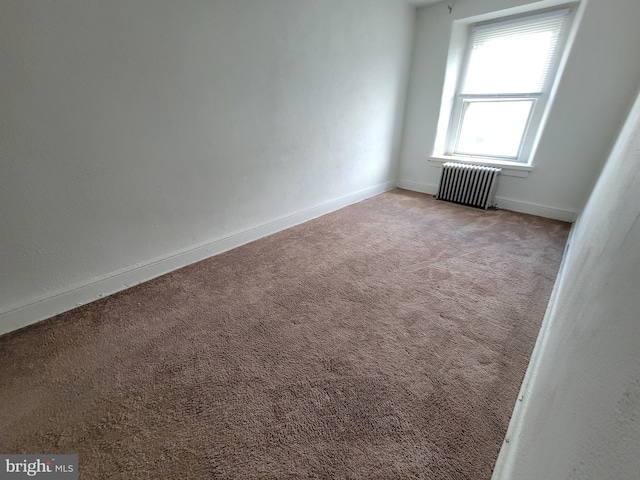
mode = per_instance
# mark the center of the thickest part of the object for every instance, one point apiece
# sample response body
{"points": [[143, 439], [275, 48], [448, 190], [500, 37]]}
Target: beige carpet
{"points": [[385, 340]]}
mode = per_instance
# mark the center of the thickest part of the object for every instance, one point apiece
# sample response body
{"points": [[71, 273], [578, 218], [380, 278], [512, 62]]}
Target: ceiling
{"points": [[420, 3]]}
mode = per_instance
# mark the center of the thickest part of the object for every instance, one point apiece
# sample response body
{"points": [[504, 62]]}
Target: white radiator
{"points": [[473, 185]]}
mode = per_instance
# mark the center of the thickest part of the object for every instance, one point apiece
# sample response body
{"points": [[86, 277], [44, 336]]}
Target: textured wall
{"points": [[131, 130], [581, 413]]}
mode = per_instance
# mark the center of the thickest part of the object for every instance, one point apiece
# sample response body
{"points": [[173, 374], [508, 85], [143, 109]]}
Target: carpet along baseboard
{"points": [[62, 301], [505, 463], [504, 203]]}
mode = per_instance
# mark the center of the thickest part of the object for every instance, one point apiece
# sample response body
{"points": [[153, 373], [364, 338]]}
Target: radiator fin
{"points": [[473, 185]]}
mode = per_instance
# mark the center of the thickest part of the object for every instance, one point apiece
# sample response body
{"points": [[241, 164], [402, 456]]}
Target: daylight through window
{"points": [[506, 78]]}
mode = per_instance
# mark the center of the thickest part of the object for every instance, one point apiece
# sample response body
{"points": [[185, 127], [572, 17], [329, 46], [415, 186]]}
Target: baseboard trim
{"points": [[504, 203], [417, 186], [535, 209], [505, 462], [58, 302]]}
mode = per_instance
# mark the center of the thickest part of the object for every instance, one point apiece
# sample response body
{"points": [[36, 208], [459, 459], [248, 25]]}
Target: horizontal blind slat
{"points": [[511, 58]]}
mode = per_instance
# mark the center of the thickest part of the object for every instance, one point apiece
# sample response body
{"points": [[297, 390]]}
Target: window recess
{"points": [[507, 74]]}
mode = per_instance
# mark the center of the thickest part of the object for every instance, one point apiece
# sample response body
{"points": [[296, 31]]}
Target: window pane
{"points": [[493, 129], [514, 64]]}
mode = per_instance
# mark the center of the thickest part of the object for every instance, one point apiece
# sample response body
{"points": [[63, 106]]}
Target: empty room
{"points": [[332, 239]]}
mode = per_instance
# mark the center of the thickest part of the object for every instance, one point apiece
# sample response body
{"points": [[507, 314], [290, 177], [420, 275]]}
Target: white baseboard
{"points": [[505, 462], [504, 203], [417, 186], [58, 302], [535, 209]]}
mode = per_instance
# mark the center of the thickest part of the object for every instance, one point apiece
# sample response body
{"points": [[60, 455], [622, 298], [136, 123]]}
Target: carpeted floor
{"points": [[387, 340]]}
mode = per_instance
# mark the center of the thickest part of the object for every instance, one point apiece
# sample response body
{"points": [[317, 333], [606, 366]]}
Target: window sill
{"points": [[509, 169]]}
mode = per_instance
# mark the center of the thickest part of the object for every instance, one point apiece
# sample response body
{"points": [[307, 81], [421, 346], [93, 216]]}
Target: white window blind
{"points": [[513, 57]]}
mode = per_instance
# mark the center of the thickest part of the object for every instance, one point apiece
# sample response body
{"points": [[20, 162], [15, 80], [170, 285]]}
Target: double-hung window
{"points": [[506, 78]]}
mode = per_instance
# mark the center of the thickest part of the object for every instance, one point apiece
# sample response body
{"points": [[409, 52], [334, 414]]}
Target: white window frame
{"points": [[541, 101], [461, 103]]}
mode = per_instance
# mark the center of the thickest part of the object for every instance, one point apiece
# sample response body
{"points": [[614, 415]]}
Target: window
{"points": [[507, 74]]}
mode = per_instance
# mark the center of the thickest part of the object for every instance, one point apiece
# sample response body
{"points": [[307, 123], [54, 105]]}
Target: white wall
{"points": [[135, 130], [594, 93], [580, 417]]}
